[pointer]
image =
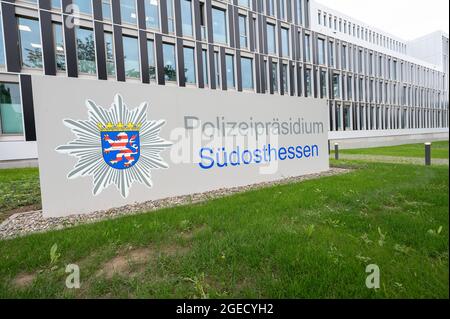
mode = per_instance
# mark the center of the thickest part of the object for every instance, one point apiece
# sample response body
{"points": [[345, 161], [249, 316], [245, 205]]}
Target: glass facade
{"points": [[239, 50]]}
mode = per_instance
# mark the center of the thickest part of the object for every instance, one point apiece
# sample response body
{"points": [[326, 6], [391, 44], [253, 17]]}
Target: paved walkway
{"points": [[392, 159]]}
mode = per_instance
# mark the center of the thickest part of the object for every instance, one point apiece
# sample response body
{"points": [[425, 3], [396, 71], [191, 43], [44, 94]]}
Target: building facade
{"points": [[375, 84]]}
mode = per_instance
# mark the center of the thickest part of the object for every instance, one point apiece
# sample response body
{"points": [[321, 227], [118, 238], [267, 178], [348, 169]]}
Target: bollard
{"points": [[428, 154], [336, 151]]}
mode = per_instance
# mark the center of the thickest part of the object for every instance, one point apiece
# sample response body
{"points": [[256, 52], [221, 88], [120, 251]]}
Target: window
{"points": [[360, 61], [151, 14], [308, 87], [220, 34], [298, 11], [271, 39], [217, 69], [127, 11], [243, 31], [131, 57], [2, 43], [349, 88], [285, 42], [229, 63], [307, 48], [205, 66], [186, 17], [203, 21], [323, 84], [244, 3], [282, 13], [189, 65], [170, 16], [331, 54], [170, 65], [344, 57], [56, 4], [284, 71], [274, 75], [336, 90], [60, 57], [109, 53], [106, 10], [82, 6], [247, 73], [11, 121], [321, 50], [270, 7], [346, 114], [151, 59], [30, 43], [85, 51]]}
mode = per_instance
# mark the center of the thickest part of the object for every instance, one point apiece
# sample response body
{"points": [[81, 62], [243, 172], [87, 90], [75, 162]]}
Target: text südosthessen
{"points": [[222, 157]]}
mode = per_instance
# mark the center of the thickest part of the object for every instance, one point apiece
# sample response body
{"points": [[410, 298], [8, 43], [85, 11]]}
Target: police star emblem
{"points": [[116, 146]]}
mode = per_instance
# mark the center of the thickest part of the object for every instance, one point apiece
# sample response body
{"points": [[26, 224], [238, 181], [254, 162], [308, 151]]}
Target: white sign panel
{"points": [[107, 144]]}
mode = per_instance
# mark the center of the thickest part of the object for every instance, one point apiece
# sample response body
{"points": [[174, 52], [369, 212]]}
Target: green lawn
{"points": [[438, 150], [306, 240], [19, 189]]}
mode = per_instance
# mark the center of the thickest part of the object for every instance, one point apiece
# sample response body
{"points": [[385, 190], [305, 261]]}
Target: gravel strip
{"points": [[392, 159], [33, 222]]}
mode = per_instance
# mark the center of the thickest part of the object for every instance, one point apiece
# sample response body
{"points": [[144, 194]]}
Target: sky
{"points": [[407, 19]]}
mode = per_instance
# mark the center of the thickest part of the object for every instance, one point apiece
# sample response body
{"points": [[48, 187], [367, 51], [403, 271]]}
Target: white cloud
{"points": [[407, 19]]}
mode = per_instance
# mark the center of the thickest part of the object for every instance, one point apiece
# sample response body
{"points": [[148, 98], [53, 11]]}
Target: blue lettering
{"points": [[307, 151], [299, 152], [291, 152], [282, 153], [249, 155], [205, 157], [237, 157], [257, 156], [315, 150]]}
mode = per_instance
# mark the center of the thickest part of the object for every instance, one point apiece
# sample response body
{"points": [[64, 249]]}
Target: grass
{"points": [[438, 150], [19, 189], [306, 240]]}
